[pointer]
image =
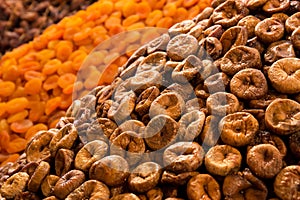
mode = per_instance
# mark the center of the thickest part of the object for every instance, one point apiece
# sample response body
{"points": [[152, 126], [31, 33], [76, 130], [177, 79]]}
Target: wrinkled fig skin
{"points": [[203, 186], [264, 160], [286, 185], [208, 110], [244, 185], [222, 160], [238, 129], [284, 75], [283, 116], [249, 84]]}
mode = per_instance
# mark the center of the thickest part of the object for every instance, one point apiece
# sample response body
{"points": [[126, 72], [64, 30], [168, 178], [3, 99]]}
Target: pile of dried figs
{"points": [[21, 21], [209, 110]]}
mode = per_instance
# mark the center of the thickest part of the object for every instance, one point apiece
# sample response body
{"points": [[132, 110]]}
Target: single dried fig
{"points": [[190, 125], [90, 153], [203, 186], [144, 177], [269, 30], [238, 129], [278, 50], [181, 46], [64, 138], [37, 177], [48, 184], [244, 185], [181, 27], [286, 184], [91, 189], [172, 178], [111, 170], [63, 161], [232, 37], [249, 84], [145, 100], [38, 147], [154, 61], [222, 103], [223, 160], [183, 157], [283, 116], [264, 160], [67, 183], [170, 103], [240, 57], [276, 6], [14, 185], [160, 132]]}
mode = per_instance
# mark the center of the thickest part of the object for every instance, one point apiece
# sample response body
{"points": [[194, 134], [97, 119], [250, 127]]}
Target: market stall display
{"points": [[174, 125], [37, 78]]}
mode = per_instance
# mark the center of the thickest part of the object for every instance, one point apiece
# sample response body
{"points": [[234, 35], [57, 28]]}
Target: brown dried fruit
{"points": [[145, 100], [233, 37], [181, 46], [238, 129], [145, 80], [249, 84], [91, 189], [203, 186], [187, 70], [48, 184], [129, 145], [210, 47], [222, 103], [240, 57], [63, 161], [172, 178], [90, 153], [38, 147], [254, 4], [160, 132], [249, 22], [111, 170], [144, 177], [64, 138], [181, 27], [229, 13], [14, 185], [286, 185], [125, 196], [67, 183], [210, 133], [216, 83], [223, 160], [158, 44], [295, 38], [190, 125], [275, 6], [37, 177], [293, 22], [283, 75], [264, 160], [278, 50], [183, 157], [294, 141], [269, 30], [244, 185], [283, 116], [154, 61], [170, 103]]}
